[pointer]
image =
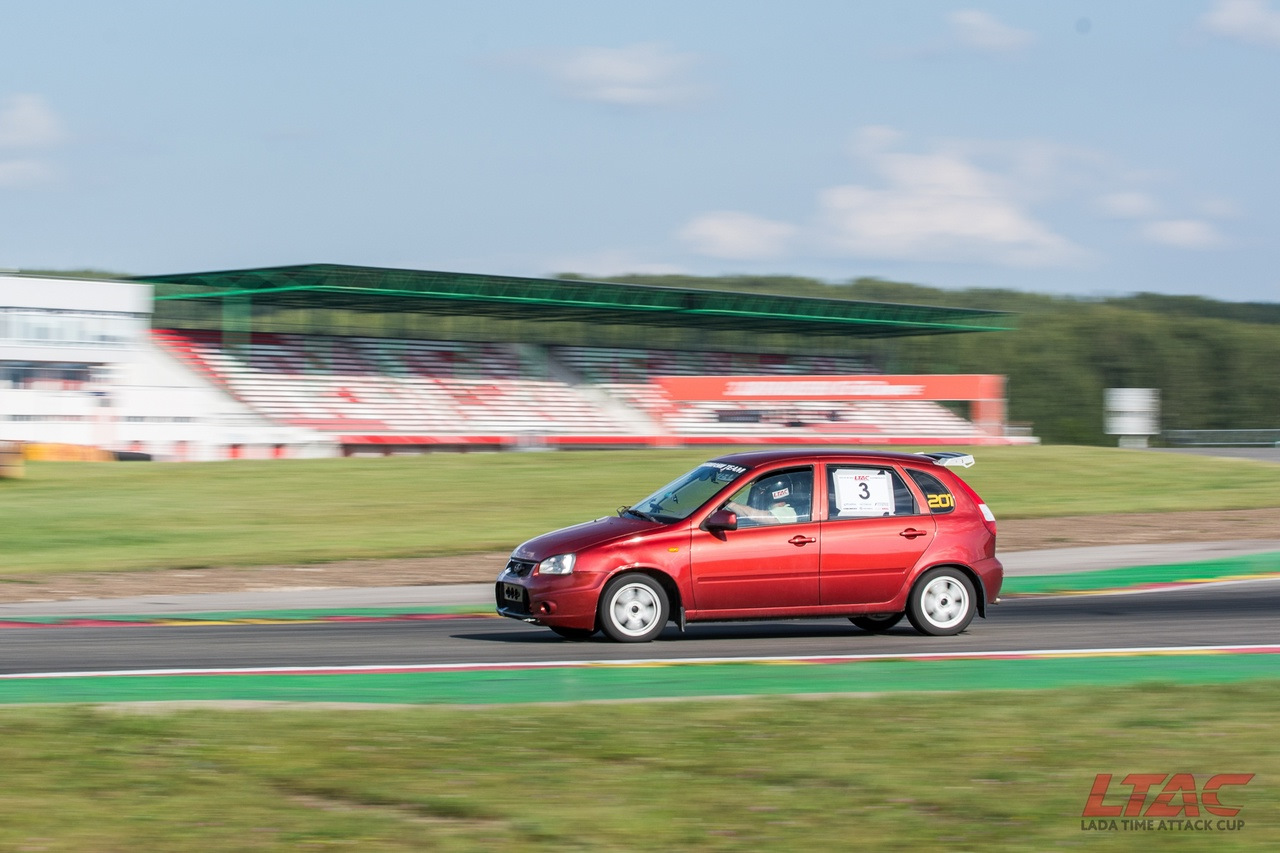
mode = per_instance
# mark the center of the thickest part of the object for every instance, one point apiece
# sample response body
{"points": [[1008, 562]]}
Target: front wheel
{"points": [[942, 602], [633, 608], [877, 623]]}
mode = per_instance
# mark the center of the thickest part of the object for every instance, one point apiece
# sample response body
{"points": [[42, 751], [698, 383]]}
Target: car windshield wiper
{"points": [[637, 513]]}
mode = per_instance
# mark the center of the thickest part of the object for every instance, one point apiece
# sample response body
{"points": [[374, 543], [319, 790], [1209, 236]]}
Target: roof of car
{"points": [[758, 458]]}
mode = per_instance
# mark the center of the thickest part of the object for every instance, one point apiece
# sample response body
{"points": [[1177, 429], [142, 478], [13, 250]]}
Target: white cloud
{"points": [[23, 173], [1157, 226], [1252, 21], [1129, 205], [1031, 171], [938, 207], [873, 139], [638, 75], [1221, 208], [737, 236], [1183, 233], [26, 121], [964, 201], [980, 31]]}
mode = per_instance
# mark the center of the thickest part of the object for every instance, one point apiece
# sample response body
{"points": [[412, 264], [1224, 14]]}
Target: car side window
{"points": [[867, 492], [780, 497], [938, 496]]}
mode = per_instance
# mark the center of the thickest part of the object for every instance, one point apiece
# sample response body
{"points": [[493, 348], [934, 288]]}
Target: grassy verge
{"points": [[971, 771], [84, 516]]}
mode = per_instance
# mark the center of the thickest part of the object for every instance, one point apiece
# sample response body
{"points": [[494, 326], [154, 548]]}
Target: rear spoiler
{"points": [[951, 459]]}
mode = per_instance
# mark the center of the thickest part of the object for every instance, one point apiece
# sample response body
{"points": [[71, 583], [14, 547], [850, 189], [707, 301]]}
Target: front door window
{"points": [[784, 497]]}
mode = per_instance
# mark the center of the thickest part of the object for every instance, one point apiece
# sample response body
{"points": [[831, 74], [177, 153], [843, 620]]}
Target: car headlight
{"points": [[561, 564]]}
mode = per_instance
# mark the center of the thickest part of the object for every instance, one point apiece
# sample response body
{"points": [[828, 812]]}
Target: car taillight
{"points": [[988, 516]]}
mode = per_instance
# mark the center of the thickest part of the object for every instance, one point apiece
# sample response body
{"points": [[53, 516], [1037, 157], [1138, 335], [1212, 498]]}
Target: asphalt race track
{"points": [[1225, 614]]}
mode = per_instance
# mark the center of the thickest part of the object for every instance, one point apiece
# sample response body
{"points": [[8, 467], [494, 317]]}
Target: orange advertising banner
{"points": [[976, 386]]}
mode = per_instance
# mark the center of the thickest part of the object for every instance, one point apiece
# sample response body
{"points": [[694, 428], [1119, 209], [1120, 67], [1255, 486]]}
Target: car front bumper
{"points": [[566, 601]]}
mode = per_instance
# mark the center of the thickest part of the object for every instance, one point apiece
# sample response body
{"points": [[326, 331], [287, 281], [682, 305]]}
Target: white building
{"points": [[78, 367]]}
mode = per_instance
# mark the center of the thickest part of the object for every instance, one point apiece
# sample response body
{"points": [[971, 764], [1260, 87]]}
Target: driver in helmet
{"points": [[768, 503]]}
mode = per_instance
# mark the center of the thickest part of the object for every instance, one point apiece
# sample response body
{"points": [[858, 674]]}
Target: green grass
{"points": [[1039, 482], [102, 517], [973, 771]]}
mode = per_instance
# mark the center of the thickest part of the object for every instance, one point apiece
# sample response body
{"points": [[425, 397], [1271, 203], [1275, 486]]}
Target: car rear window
{"points": [[937, 496]]}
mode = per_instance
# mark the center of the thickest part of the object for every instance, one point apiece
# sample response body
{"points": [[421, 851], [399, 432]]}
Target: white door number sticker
{"points": [[863, 492]]}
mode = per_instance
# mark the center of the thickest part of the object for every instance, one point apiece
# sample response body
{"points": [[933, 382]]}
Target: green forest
{"points": [[1217, 364]]}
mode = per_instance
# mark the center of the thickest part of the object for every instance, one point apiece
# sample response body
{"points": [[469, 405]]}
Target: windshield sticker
{"points": [[861, 492], [725, 472]]}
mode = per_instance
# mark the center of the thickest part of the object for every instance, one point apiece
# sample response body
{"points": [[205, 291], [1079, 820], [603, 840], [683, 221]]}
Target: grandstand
{"points": [[400, 360], [322, 360]]}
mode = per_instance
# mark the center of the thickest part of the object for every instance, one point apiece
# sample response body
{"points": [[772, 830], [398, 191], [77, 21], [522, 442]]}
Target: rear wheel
{"points": [[877, 623], [633, 609], [573, 633], [942, 602]]}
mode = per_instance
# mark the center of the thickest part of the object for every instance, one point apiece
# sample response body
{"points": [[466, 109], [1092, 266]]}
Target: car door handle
{"points": [[912, 533], [799, 540]]}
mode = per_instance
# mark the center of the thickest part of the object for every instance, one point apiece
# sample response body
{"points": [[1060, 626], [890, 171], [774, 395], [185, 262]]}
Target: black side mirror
{"points": [[721, 519]]}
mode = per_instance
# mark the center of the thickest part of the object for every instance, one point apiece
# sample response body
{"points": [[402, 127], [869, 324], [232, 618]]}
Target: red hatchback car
{"points": [[771, 534]]}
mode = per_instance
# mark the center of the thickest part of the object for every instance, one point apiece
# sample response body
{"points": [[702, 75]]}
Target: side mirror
{"points": [[721, 519]]}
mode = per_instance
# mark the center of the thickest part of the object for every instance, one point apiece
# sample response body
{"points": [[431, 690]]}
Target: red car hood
{"points": [[573, 539]]}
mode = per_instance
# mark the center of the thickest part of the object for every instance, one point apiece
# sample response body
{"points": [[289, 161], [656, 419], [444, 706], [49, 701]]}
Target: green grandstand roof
{"points": [[376, 289]]}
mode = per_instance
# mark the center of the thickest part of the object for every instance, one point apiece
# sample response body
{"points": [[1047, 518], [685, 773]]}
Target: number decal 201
{"points": [[941, 501]]}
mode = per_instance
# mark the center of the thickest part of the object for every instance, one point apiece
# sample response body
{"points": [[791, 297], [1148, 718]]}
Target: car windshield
{"points": [[678, 499]]}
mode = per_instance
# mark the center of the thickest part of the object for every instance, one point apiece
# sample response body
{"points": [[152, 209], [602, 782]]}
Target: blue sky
{"points": [[1086, 147]]}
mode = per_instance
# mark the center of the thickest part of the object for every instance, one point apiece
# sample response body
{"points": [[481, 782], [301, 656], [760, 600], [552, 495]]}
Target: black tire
{"points": [[573, 633], [942, 602], [633, 608], [877, 623]]}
